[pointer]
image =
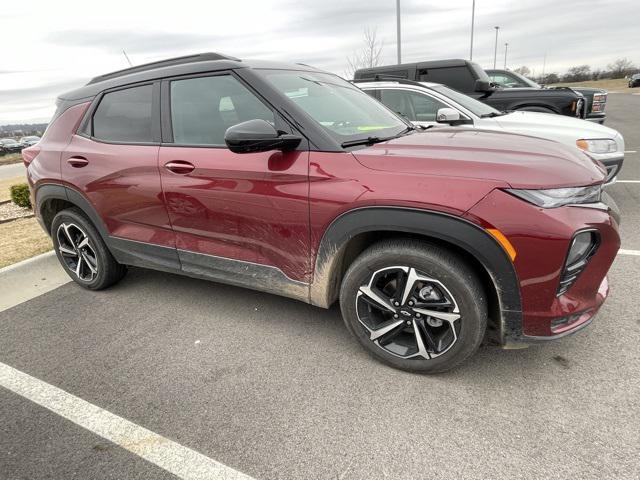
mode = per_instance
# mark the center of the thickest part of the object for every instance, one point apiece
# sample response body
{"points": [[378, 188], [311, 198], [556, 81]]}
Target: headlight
{"points": [[557, 197], [602, 145]]}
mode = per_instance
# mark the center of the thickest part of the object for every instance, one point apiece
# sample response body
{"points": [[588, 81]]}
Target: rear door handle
{"points": [[78, 162], [180, 167]]}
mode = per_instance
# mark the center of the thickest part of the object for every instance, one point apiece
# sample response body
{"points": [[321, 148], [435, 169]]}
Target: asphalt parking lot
{"points": [[274, 388]]}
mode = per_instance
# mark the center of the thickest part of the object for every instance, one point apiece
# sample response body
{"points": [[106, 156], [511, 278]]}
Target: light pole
{"points": [[495, 50], [398, 36], [506, 46], [473, 18]]}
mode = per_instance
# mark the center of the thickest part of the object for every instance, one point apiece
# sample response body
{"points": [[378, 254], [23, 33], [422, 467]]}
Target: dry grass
{"points": [[10, 158], [6, 183], [617, 84], [21, 239]]}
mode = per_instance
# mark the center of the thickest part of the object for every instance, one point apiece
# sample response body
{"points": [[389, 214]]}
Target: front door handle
{"points": [[78, 162], [180, 167]]}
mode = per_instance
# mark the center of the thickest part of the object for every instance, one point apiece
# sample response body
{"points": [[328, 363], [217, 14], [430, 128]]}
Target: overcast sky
{"points": [[56, 45]]}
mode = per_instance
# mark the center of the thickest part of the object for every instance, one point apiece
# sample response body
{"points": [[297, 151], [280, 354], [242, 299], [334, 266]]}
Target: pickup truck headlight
{"points": [[599, 145], [558, 197]]}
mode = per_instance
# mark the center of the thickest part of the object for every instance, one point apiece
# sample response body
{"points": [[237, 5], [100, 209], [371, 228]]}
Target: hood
{"points": [[518, 160], [553, 126]]}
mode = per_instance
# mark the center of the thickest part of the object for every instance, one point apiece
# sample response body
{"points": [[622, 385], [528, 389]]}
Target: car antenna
{"points": [[127, 57]]}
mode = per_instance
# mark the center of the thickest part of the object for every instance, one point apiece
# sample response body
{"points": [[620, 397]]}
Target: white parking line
{"points": [[627, 181], [172, 457], [623, 251], [630, 151]]}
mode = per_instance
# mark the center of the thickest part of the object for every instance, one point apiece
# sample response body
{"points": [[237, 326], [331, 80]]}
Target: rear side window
{"points": [[414, 106], [203, 108], [125, 116], [459, 78]]}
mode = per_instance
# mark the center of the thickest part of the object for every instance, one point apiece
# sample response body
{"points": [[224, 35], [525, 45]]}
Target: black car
{"points": [[10, 145], [634, 80], [469, 78], [596, 98]]}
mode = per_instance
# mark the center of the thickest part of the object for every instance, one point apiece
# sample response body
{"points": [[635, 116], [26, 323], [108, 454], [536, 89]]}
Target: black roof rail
{"points": [[388, 78], [200, 57]]}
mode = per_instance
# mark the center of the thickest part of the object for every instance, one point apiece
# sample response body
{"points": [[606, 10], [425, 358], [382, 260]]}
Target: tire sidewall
{"points": [[459, 281]]}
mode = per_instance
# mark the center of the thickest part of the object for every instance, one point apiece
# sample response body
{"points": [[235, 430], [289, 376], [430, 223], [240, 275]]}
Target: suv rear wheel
{"points": [[414, 305], [82, 252]]}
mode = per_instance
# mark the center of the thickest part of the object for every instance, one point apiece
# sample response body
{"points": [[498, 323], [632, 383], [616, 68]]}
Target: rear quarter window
{"points": [[459, 78]]}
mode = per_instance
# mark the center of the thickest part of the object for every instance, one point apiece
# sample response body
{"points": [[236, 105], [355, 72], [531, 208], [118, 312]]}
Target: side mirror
{"points": [[482, 86], [258, 136], [447, 115]]}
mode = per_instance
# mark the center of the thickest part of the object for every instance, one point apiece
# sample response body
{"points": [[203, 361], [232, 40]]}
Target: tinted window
{"points": [[506, 80], [459, 78], [411, 105], [203, 108], [125, 116]]}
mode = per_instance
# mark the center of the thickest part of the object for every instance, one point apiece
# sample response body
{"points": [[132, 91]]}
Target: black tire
{"points": [[447, 270], [536, 109], [67, 229]]}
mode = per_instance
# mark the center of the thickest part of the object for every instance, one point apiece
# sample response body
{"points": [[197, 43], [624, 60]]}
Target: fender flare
{"points": [[444, 227], [52, 191]]}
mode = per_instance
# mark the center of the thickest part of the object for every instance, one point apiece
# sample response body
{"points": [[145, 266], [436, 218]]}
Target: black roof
{"points": [[452, 62], [199, 63]]}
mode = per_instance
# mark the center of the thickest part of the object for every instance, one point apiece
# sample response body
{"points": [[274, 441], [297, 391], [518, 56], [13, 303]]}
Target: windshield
{"points": [[474, 106], [344, 111], [8, 141]]}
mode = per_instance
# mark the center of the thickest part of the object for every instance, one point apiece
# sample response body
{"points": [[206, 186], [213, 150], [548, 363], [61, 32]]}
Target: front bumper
{"points": [[542, 241]]}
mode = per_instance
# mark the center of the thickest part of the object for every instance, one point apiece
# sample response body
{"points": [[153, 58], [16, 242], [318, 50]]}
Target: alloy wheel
{"points": [[77, 252], [407, 313]]}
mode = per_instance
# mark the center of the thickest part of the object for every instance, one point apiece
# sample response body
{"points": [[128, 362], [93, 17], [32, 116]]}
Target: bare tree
{"points": [[620, 68], [523, 70], [369, 55]]}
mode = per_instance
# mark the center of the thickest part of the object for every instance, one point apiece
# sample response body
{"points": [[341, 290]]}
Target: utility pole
{"points": [[473, 18], [506, 46], [398, 36], [495, 50], [544, 64]]}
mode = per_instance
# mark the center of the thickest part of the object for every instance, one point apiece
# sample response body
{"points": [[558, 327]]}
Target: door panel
{"points": [[249, 207], [122, 182]]}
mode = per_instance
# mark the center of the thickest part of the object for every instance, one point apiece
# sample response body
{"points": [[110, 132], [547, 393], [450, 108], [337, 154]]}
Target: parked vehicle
{"points": [[634, 80], [430, 104], [286, 179], [469, 78], [596, 98], [10, 145], [29, 141]]}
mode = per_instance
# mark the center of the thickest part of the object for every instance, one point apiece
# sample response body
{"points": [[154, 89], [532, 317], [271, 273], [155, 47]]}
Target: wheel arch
{"points": [[53, 198], [355, 230], [544, 106]]}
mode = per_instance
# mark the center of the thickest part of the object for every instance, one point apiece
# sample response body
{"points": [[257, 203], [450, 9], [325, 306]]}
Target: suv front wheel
{"points": [[82, 252], [414, 305]]}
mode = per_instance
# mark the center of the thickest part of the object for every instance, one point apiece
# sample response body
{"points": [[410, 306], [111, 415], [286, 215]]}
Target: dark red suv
{"points": [[289, 180]]}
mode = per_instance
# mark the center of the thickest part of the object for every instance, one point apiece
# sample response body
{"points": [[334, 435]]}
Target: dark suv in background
{"points": [[596, 98], [469, 78], [290, 180]]}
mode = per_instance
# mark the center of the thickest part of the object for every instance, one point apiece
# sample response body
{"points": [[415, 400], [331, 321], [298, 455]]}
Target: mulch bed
{"points": [[9, 211]]}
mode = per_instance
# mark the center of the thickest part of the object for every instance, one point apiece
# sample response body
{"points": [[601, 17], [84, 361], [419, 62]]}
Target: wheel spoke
{"points": [[79, 266], [422, 350], [377, 299], [83, 243], [430, 341], [375, 334], [65, 229], [446, 316], [67, 251], [89, 263], [409, 283]]}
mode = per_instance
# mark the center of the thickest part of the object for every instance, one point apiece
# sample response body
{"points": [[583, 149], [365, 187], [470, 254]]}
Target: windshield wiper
{"points": [[364, 141], [492, 114]]}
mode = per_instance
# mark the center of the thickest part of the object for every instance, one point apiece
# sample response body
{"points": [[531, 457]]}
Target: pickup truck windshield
{"points": [[346, 112], [474, 106]]}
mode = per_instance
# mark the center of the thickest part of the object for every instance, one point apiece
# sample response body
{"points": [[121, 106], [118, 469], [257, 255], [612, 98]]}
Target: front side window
{"points": [[203, 108], [125, 116], [411, 105], [344, 111]]}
